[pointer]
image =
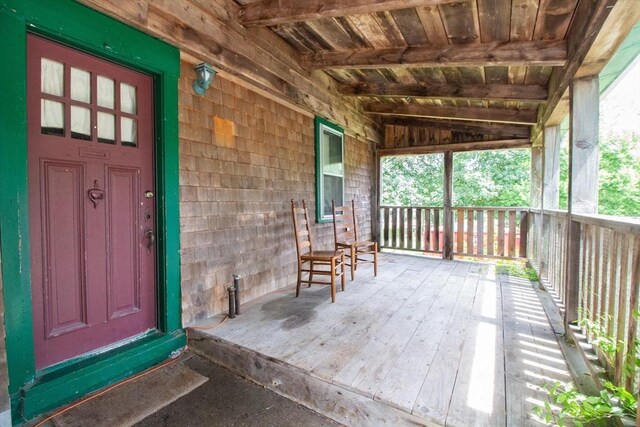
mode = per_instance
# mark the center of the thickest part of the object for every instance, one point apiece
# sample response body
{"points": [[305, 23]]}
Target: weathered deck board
{"points": [[427, 341]]}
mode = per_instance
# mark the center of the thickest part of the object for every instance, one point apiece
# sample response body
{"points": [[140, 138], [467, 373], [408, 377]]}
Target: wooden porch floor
{"points": [[426, 342]]}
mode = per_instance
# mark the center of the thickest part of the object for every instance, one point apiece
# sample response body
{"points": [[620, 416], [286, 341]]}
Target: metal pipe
{"points": [[232, 302], [236, 285]]}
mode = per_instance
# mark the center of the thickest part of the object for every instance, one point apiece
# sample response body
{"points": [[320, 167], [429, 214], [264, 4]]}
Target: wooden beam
{"points": [[489, 92], [526, 117], [589, 17], [525, 53], [551, 162], [535, 192], [497, 129], [277, 12], [500, 144]]}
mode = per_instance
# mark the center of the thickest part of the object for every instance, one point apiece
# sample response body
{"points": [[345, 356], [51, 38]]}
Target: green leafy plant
{"points": [[516, 269], [596, 329], [612, 402]]}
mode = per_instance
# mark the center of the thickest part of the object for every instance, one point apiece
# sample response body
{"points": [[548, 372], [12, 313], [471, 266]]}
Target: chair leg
{"points": [[342, 257], [333, 279], [299, 278], [310, 273], [375, 259], [354, 257]]}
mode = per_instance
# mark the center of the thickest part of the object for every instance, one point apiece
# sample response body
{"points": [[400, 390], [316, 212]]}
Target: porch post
{"points": [[583, 176], [447, 249], [375, 202], [535, 202], [550, 189]]}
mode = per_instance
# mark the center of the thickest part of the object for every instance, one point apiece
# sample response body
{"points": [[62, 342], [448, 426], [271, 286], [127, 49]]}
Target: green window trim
{"points": [[323, 201], [65, 21]]}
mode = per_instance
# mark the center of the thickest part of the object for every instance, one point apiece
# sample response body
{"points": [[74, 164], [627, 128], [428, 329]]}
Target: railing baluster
{"points": [[512, 234], [401, 239], [436, 227], [490, 232], [470, 232], [427, 231], [524, 230], [480, 215], [623, 309], [460, 232], [386, 229], [500, 233], [419, 228], [394, 228], [409, 228]]}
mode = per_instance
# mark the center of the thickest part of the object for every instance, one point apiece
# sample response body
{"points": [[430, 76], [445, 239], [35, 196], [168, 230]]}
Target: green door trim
{"points": [[71, 23]]}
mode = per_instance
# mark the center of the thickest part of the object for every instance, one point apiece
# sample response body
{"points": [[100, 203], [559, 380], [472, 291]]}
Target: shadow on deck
{"points": [[427, 342]]}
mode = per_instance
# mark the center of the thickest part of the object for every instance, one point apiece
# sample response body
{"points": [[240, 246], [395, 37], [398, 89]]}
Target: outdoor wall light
{"points": [[204, 76]]}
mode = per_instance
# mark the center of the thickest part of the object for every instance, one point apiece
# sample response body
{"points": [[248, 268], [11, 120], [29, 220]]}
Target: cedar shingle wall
{"points": [[243, 158]]}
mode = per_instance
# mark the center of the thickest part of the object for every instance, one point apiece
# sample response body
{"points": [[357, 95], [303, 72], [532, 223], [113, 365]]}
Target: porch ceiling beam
{"points": [[276, 12], [589, 18], [522, 53], [492, 92], [506, 130], [525, 117], [499, 144]]}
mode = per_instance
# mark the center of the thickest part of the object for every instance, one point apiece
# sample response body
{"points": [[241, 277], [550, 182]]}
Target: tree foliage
{"points": [[480, 178]]}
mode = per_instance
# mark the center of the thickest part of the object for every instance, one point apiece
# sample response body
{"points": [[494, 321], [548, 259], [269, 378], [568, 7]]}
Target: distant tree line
{"points": [[502, 178]]}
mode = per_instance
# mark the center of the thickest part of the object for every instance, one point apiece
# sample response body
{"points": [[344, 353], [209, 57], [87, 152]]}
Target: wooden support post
{"points": [[447, 250], [550, 191], [535, 201], [584, 98], [375, 202]]}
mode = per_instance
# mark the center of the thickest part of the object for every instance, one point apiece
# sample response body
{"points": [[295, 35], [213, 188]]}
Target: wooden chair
{"points": [[312, 262], [345, 231]]}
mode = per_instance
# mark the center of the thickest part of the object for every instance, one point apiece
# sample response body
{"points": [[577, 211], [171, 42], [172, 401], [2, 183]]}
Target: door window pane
{"points": [[52, 77], [106, 128], [80, 85], [128, 101], [106, 92], [51, 117], [128, 131], [80, 123]]}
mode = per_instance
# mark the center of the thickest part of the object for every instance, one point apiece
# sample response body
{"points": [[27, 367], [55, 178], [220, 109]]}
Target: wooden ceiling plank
{"points": [[497, 129], [433, 26], [275, 12], [554, 17], [526, 117], [371, 30], [501, 144], [530, 53], [390, 28], [461, 22], [409, 24], [495, 20], [498, 92]]}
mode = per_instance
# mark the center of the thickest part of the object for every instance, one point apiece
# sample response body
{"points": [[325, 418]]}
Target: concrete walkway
{"points": [[228, 400]]}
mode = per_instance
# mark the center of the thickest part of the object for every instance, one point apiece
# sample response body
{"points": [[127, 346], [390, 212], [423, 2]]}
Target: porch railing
{"points": [[477, 231], [608, 279]]}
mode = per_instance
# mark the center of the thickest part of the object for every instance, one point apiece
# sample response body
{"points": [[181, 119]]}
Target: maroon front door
{"points": [[91, 204]]}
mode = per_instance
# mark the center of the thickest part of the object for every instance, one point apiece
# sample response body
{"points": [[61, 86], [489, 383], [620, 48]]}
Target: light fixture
{"points": [[204, 76]]}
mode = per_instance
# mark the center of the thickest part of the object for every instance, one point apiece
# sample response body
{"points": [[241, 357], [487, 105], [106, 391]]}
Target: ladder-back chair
{"points": [[345, 231], [312, 262]]}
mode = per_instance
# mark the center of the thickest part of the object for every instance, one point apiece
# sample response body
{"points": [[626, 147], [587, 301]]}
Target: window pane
{"points": [[128, 100], [128, 131], [106, 128], [106, 92], [52, 77], [332, 154], [80, 85], [332, 191], [80, 123], [51, 117]]}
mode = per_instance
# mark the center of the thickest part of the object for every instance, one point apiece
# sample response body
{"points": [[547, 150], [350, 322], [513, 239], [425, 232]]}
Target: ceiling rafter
{"points": [[524, 53], [277, 12], [500, 144], [526, 117], [498, 129], [483, 92]]}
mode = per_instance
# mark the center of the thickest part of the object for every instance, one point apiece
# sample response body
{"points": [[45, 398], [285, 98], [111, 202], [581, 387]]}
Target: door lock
{"points": [[151, 237]]}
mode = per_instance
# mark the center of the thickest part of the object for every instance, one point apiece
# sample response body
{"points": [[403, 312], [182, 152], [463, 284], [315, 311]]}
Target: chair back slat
{"points": [[344, 223], [300, 218]]}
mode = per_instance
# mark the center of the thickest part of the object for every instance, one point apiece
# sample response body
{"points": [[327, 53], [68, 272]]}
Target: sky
{"points": [[620, 107]]}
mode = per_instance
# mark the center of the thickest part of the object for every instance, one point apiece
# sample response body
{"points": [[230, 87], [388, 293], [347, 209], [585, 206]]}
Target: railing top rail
{"points": [[410, 207], [493, 208], [617, 223], [556, 212]]}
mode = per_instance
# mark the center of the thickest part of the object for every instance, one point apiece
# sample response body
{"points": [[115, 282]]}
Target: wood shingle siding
{"points": [[243, 157]]}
